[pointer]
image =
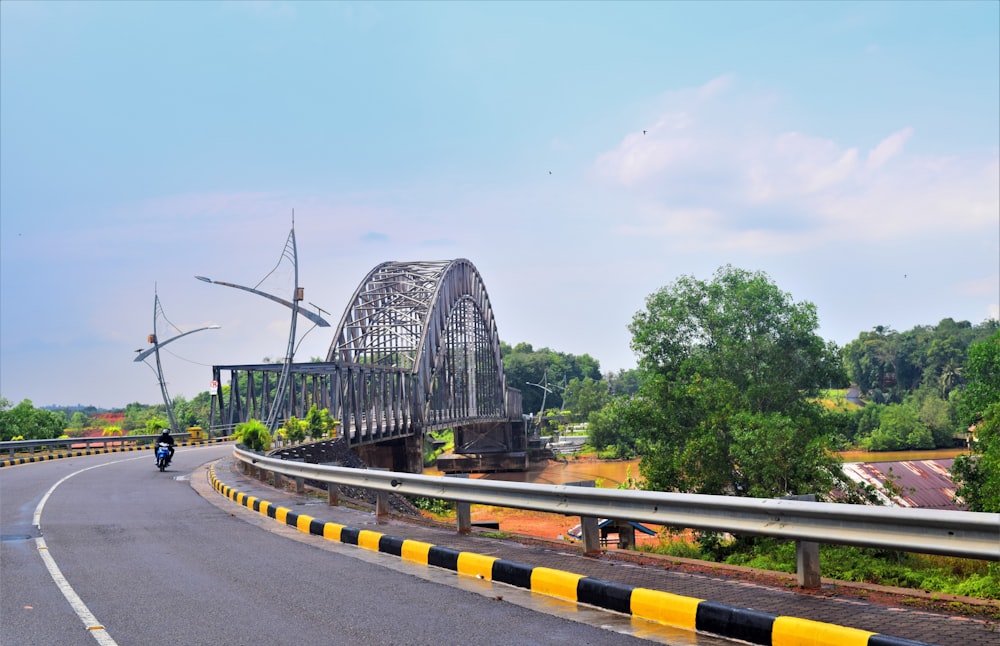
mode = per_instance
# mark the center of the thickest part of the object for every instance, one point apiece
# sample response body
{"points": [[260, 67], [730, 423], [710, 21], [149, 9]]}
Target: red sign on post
{"points": [[215, 385]]}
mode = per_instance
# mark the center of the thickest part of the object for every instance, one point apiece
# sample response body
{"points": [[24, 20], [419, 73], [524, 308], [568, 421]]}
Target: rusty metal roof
{"points": [[926, 484]]}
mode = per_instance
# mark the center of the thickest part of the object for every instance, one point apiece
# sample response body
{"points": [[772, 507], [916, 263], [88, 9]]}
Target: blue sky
{"points": [[581, 155]]}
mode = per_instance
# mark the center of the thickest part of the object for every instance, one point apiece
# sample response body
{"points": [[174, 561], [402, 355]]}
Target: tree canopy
{"points": [[527, 369], [27, 422], [978, 474], [731, 366]]}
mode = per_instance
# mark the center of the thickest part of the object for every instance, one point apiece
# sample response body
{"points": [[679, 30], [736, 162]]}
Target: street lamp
{"points": [[155, 350], [290, 252], [546, 390]]}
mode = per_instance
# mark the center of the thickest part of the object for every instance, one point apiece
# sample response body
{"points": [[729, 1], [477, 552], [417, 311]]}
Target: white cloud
{"points": [[717, 167], [888, 148]]}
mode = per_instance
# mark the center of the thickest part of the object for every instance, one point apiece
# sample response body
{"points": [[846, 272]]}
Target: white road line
{"points": [[93, 626], [79, 607]]}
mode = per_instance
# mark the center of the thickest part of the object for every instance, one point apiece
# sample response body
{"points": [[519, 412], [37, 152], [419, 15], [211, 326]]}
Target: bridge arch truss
{"points": [[417, 349]]}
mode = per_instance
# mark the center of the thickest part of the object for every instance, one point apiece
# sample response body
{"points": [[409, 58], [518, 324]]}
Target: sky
{"points": [[582, 155]]}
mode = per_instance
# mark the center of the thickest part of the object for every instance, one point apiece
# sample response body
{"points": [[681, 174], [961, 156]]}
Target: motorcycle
{"points": [[162, 455]]}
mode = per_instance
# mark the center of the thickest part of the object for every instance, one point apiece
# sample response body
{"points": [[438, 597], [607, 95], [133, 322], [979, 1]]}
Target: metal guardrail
{"points": [[19, 446], [963, 534]]}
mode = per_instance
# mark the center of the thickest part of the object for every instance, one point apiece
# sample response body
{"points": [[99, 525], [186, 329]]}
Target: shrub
{"points": [[253, 435]]}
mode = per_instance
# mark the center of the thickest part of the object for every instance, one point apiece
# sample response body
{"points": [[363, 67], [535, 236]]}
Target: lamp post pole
{"points": [[155, 350], [545, 392], [290, 252]]}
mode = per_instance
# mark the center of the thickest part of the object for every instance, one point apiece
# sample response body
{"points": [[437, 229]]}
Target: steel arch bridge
{"points": [[416, 350]]}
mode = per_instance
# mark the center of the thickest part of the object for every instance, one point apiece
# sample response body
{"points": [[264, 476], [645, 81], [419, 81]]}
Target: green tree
{"points": [[295, 429], [28, 422], [733, 367], [900, 428], [318, 422], [584, 396], [524, 366], [619, 424], [155, 425], [136, 415], [79, 421], [623, 382], [978, 474]]}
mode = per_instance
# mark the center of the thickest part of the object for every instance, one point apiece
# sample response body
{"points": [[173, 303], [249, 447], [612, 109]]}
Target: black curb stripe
{"points": [[349, 535], [727, 621], [605, 594], [513, 573], [291, 518], [738, 623], [888, 640], [443, 557], [390, 545]]}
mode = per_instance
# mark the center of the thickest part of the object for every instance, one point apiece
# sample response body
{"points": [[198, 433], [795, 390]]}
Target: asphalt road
{"points": [[147, 560]]}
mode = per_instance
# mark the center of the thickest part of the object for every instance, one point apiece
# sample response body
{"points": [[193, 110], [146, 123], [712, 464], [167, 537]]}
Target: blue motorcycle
{"points": [[162, 455]]}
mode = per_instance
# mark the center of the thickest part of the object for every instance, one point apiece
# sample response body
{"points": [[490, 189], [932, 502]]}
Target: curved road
{"points": [[147, 560]]}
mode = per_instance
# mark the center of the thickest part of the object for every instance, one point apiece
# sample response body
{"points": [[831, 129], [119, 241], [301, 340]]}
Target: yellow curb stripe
{"points": [[792, 631], [331, 531], [415, 551], [555, 583], [369, 539], [665, 608], [476, 565], [302, 523]]}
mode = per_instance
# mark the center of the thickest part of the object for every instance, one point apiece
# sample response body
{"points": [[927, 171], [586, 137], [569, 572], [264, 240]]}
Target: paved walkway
{"points": [[893, 624]]}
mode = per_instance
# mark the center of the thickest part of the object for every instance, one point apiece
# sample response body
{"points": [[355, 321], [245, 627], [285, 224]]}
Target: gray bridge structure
{"points": [[416, 350]]}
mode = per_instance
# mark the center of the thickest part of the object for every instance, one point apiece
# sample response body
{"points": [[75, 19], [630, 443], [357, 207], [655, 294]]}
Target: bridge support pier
{"points": [[405, 454]]}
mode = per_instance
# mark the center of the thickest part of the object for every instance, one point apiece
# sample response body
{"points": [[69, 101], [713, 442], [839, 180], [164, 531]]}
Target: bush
{"points": [[253, 435], [295, 430], [436, 506]]}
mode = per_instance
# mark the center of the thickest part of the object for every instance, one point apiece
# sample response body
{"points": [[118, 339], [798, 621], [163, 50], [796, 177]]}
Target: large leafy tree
{"points": [[28, 422], [978, 474], [584, 396], [732, 366]]}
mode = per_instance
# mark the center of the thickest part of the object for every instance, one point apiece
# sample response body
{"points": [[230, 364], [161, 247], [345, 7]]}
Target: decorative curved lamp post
{"points": [[155, 350], [291, 253]]}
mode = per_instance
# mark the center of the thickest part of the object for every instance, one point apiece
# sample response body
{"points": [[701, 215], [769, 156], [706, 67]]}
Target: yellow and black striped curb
{"points": [[118, 449], [653, 605]]}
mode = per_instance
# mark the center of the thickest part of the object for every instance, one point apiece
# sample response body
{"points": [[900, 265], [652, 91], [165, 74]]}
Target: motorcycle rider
{"points": [[168, 439]]}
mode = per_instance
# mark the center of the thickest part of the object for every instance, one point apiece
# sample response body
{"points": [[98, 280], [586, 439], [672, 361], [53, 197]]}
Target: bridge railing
{"points": [[31, 446], [962, 534]]}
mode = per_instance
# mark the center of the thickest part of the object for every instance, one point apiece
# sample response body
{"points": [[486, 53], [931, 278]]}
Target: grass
{"points": [[834, 399]]}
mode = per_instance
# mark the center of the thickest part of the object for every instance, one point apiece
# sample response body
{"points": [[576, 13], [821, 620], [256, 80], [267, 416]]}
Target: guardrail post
{"points": [[806, 554], [333, 489], [381, 500], [589, 531], [807, 564], [463, 510], [300, 484]]}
